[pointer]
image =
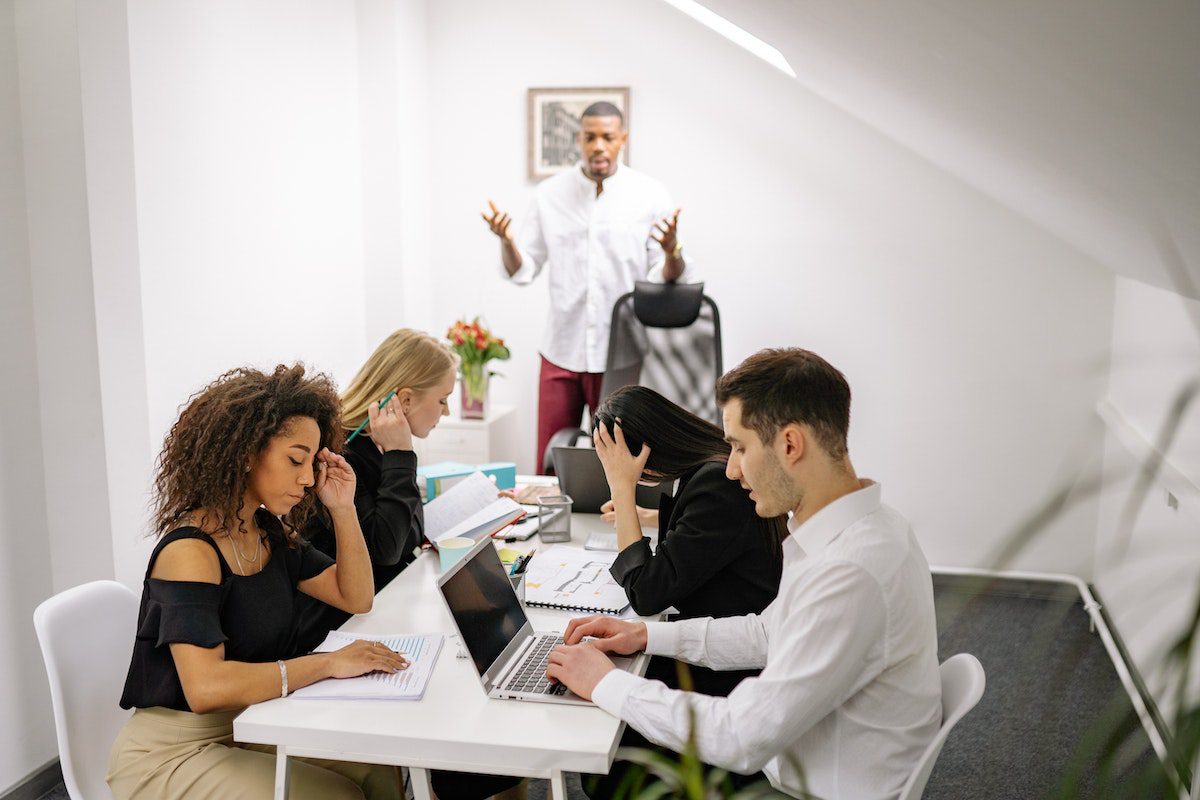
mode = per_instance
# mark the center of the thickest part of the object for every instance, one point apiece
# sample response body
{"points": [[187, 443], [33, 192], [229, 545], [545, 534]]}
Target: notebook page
{"points": [[464, 502], [421, 650], [568, 577]]}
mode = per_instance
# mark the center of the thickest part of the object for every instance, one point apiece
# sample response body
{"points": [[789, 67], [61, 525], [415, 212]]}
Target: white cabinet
{"points": [[472, 441]]}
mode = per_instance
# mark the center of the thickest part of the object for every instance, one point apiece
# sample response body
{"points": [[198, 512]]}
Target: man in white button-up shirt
{"points": [[600, 227], [849, 695]]}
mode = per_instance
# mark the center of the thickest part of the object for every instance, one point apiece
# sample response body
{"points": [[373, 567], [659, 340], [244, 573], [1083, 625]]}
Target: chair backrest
{"points": [[962, 685], [667, 337], [86, 634]]}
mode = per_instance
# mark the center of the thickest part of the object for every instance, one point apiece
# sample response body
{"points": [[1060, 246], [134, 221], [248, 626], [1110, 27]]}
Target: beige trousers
{"points": [[163, 754]]}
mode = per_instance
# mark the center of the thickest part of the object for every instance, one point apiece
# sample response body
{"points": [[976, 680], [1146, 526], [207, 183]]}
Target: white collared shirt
{"points": [[596, 248], [849, 692]]}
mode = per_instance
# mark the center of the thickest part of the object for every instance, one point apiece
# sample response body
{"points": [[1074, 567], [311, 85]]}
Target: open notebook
{"points": [[574, 579], [471, 509], [407, 684]]}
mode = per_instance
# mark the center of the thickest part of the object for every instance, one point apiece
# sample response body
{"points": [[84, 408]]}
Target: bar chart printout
{"points": [[421, 650]]}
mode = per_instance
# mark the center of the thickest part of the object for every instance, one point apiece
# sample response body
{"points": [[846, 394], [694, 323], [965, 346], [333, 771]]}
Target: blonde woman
{"points": [[422, 371]]}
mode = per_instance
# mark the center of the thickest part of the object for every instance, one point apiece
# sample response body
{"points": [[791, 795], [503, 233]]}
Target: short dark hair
{"points": [[603, 109], [779, 386]]}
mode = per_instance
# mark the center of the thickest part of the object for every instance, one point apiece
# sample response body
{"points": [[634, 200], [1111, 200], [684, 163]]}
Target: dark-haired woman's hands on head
{"points": [[348, 584], [623, 470], [389, 426]]}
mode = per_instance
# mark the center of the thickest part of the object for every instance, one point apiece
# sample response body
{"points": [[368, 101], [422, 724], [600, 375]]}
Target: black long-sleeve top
{"points": [[388, 502], [715, 558]]}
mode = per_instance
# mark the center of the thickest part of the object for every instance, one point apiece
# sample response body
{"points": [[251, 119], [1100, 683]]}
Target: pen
{"points": [[522, 562], [358, 430]]}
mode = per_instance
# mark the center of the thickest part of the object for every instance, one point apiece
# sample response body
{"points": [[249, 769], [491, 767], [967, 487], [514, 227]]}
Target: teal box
{"points": [[440, 477]]}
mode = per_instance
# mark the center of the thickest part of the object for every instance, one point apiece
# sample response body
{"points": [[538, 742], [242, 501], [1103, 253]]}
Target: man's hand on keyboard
{"points": [[580, 667], [609, 635]]}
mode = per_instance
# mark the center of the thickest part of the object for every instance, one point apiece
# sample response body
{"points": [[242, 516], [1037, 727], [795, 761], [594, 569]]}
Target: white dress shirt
{"points": [[596, 248], [849, 693]]}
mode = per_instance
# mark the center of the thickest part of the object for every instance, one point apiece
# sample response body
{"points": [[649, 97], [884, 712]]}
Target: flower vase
{"points": [[474, 391]]}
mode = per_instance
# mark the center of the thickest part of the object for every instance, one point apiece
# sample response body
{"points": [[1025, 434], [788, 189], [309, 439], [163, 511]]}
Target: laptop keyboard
{"points": [[530, 675]]}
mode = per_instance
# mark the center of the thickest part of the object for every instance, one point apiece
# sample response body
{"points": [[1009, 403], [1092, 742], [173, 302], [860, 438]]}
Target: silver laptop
{"points": [[509, 656]]}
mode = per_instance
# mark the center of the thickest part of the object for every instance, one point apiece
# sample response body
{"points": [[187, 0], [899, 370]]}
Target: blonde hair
{"points": [[407, 359]]}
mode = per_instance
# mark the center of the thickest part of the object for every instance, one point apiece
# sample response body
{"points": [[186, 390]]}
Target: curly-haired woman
{"points": [[237, 477]]}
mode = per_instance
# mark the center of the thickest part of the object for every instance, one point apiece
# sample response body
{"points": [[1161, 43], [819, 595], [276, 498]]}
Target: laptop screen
{"points": [[485, 607]]}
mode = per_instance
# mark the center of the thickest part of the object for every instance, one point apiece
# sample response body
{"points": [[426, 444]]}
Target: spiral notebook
{"points": [[408, 684], [573, 579]]}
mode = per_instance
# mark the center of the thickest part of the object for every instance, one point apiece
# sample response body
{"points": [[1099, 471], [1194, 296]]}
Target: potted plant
{"points": [[476, 346]]}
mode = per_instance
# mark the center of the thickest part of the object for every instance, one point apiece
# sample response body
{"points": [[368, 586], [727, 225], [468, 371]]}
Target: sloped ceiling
{"points": [[1082, 115]]}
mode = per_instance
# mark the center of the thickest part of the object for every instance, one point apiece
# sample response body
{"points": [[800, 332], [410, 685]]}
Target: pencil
{"points": [[359, 429]]}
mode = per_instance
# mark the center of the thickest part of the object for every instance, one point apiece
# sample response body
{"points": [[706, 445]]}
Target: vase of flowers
{"points": [[476, 346]]}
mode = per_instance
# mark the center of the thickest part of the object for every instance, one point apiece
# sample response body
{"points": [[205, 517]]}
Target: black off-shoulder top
{"points": [[250, 614]]}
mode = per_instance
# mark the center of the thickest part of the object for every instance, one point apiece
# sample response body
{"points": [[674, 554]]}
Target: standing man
{"points": [[849, 696], [600, 227]]}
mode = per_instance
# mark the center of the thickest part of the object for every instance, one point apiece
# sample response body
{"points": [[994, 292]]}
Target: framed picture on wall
{"points": [[554, 122]]}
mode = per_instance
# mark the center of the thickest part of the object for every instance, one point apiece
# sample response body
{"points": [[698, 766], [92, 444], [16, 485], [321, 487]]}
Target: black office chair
{"points": [[667, 337], [566, 437]]}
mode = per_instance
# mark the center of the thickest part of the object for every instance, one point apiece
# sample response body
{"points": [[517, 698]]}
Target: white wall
{"points": [[103, 29], [250, 201], [974, 341], [64, 317], [1147, 558], [25, 577]]}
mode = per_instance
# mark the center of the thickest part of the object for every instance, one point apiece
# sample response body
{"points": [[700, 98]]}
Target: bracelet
{"points": [[282, 678], [678, 249]]}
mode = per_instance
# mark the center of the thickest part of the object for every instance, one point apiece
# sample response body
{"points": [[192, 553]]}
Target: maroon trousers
{"points": [[562, 395]]}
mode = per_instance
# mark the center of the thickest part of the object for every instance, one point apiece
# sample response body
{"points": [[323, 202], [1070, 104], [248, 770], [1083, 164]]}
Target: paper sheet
{"points": [[571, 578]]}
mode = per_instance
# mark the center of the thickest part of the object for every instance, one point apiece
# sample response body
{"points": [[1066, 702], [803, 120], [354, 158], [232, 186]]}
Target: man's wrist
{"points": [[661, 638]]}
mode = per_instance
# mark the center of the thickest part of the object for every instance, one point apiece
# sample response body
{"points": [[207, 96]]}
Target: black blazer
{"points": [[715, 556]]}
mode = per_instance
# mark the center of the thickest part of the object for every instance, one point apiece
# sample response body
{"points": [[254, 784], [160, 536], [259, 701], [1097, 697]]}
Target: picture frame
{"points": [[554, 122]]}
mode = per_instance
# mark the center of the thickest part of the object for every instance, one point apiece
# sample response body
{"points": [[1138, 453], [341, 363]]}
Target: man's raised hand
{"points": [[667, 229], [498, 221]]}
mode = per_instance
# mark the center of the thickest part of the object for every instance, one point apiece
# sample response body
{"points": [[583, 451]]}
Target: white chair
{"points": [[962, 686], [86, 635]]}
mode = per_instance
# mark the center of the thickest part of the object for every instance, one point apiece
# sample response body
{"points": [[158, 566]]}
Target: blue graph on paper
{"points": [[421, 650]]}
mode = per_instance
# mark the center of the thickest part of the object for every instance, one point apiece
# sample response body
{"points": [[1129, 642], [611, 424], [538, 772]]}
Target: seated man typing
{"points": [[849, 695]]}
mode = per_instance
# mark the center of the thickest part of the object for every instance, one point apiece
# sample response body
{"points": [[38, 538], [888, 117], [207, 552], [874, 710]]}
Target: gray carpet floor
{"points": [[1052, 695]]}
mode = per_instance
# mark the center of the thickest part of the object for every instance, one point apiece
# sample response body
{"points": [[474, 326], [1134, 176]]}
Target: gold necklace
{"points": [[237, 555]]}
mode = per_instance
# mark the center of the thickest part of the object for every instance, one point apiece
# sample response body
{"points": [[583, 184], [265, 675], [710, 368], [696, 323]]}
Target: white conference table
{"points": [[455, 726]]}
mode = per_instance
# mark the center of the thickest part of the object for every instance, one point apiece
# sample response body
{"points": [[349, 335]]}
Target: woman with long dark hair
{"points": [[715, 556]]}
